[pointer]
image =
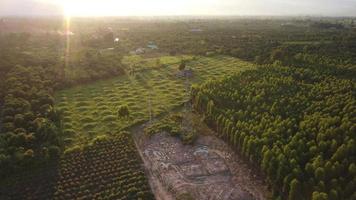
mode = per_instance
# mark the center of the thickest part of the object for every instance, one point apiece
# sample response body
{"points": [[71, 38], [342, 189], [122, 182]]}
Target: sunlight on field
{"points": [[91, 110]]}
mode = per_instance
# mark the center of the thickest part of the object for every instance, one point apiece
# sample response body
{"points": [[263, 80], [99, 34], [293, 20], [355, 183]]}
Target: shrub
{"points": [[123, 111], [182, 65], [172, 125]]}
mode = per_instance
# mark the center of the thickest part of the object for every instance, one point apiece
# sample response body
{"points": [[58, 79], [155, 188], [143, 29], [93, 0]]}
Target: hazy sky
{"points": [[178, 7]]}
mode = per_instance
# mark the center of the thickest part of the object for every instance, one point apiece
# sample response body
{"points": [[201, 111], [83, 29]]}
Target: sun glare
{"points": [[123, 7], [110, 7]]}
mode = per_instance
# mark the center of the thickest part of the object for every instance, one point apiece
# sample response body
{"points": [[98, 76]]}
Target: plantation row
{"points": [[107, 169], [297, 124]]}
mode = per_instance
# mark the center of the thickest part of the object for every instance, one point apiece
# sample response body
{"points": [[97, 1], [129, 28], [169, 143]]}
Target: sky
{"points": [[177, 7]]}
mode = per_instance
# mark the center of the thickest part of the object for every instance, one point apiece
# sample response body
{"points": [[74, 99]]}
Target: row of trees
{"points": [[297, 124]]}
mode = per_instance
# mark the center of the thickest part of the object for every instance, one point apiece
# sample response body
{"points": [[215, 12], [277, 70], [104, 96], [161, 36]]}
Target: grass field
{"points": [[91, 110]]}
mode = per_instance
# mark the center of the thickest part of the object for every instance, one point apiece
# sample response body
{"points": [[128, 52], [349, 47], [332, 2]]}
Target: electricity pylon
{"points": [[186, 122]]}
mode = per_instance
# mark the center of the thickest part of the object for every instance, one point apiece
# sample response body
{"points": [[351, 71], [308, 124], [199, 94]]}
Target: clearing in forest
{"points": [[203, 168]]}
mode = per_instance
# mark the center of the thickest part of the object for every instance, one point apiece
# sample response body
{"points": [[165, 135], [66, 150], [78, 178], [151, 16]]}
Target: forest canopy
{"points": [[298, 124]]}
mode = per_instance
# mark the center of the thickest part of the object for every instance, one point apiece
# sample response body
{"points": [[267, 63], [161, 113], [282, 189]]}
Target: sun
{"points": [[100, 7], [106, 7], [85, 8], [67, 10], [122, 7]]}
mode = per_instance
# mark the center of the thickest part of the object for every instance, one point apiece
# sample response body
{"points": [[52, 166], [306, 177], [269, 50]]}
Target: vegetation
{"points": [[293, 116], [91, 110], [107, 169], [30, 71], [182, 65], [174, 125], [30, 124], [297, 124], [123, 111]]}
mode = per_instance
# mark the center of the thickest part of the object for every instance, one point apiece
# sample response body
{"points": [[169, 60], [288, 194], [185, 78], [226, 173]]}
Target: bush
{"points": [[123, 111], [189, 137], [172, 125], [182, 65]]}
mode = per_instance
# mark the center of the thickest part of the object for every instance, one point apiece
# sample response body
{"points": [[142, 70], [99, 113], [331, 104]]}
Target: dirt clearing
{"points": [[206, 170]]}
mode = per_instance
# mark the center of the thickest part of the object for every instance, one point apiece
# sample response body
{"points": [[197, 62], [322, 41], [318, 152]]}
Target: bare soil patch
{"points": [[208, 169]]}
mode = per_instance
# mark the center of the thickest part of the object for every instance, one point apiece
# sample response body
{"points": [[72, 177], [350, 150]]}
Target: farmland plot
{"points": [[107, 169], [91, 110]]}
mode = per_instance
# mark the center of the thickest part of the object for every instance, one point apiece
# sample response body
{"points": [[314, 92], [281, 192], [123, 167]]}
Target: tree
{"points": [[333, 195], [277, 54], [28, 153], [320, 173], [319, 196], [294, 192], [340, 153], [123, 111], [182, 65], [352, 169]]}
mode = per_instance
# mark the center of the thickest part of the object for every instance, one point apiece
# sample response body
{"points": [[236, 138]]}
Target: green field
{"points": [[91, 110]]}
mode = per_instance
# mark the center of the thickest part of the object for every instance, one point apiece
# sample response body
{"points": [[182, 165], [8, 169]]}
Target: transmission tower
{"points": [[149, 106], [186, 122]]}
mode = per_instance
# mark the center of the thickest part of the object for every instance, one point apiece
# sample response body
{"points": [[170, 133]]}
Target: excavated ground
{"points": [[207, 170]]}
